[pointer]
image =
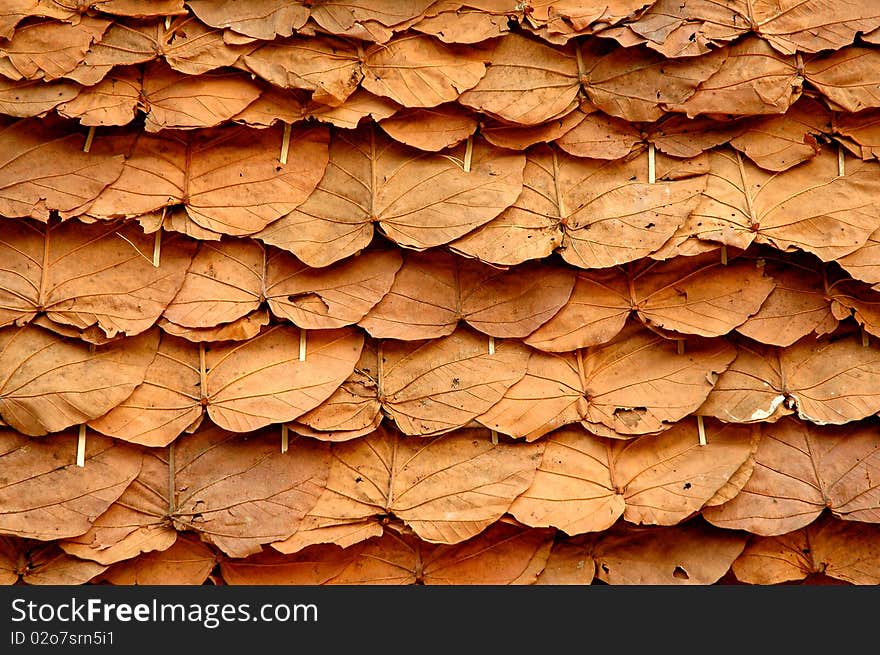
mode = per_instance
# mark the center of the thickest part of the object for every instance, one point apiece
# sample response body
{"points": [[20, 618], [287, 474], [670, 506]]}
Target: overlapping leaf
{"points": [[223, 176], [87, 275], [446, 489], [637, 383], [48, 383], [187, 562], [261, 497], [800, 470], [242, 386], [432, 292], [45, 496], [420, 200], [263, 19], [586, 483], [38, 563]]}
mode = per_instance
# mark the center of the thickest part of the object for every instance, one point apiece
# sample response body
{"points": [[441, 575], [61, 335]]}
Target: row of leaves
{"points": [[338, 384], [514, 79], [769, 480], [828, 551], [501, 206]]}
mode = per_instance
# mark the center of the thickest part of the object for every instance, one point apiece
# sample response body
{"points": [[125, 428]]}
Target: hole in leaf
{"points": [[680, 574]]}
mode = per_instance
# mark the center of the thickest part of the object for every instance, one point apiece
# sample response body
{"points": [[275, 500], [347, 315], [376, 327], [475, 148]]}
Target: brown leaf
{"points": [[367, 20], [600, 137], [586, 483], [29, 98], [36, 563], [359, 105], [800, 470], [689, 295], [260, 19], [528, 82], [680, 136], [314, 565], [180, 101], [243, 386], [637, 383], [261, 496], [690, 554], [139, 8], [519, 137], [848, 78], [50, 49], [808, 207], [436, 386], [862, 128], [843, 550], [328, 67], [273, 106], [87, 275], [46, 496], [430, 129], [112, 101], [583, 198], [223, 176], [622, 81], [863, 262], [241, 329], [446, 489], [416, 70], [434, 291], [462, 24], [568, 564], [416, 197], [188, 562], [51, 383], [43, 168], [753, 79], [192, 48]]}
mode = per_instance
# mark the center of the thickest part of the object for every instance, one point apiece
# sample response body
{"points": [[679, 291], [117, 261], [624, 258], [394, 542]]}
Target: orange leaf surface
{"points": [[45, 496], [843, 550], [260, 19], [50, 49], [848, 78], [36, 563], [187, 562], [800, 470], [586, 483], [446, 489], [261, 497], [430, 129], [432, 292], [637, 383], [87, 275], [50, 383]]}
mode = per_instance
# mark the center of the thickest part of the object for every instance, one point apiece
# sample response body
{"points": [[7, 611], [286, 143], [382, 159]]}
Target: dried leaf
{"points": [[46, 496], [586, 483], [50, 49], [637, 383], [808, 207], [51, 383], [242, 386], [843, 550], [359, 105], [690, 554], [430, 129], [239, 330], [43, 168], [848, 78], [622, 81], [29, 98], [112, 101], [568, 564], [87, 275], [519, 137], [180, 101], [416, 70], [800, 470], [436, 386], [863, 262], [36, 563], [420, 200], [261, 497], [187, 562], [260, 19], [434, 291], [367, 20], [446, 489], [527, 83], [328, 67], [600, 137], [689, 295], [223, 176]]}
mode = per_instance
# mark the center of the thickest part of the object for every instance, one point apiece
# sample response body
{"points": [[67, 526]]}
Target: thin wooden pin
{"points": [[468, 154], [285, 438], [81, 446], [167, 22], [157, 247], [701, 429], [723, 255], [866, 339], [491, 345], [89, 138], [495, 437], [302, 345], [285, 143], [841, 161], [680, 345], [91, 347], [652, 165]]}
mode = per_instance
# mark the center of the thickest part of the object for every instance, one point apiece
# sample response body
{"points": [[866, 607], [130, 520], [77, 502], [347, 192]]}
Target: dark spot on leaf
{"points": [[680, 574], [687, 485]]}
